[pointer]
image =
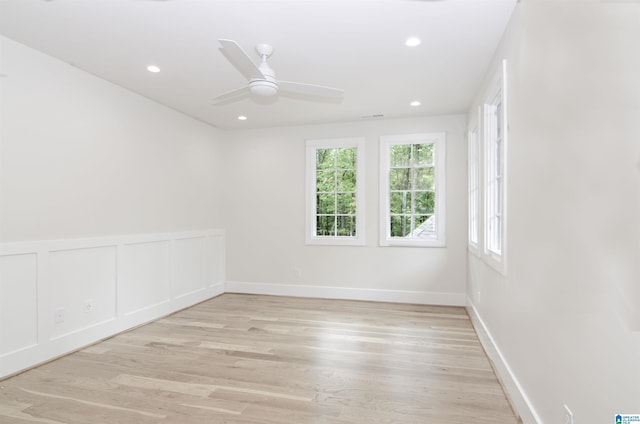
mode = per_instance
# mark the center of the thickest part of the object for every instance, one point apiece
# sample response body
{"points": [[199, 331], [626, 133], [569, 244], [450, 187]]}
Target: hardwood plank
{"points": [[241, 359]]}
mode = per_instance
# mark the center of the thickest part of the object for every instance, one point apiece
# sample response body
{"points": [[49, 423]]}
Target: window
{"points": [[412, 184], [495, 132], [473, 170], [335, 187]]}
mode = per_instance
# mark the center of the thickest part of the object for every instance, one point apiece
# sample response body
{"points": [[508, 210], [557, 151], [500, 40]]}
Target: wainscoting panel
{"points": [[18, 302], [57, 296], [85, 288], [215, 260], [189, 266], [145, 280]]}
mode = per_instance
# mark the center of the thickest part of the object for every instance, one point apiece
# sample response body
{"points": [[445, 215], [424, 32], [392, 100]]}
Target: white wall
{"points": [[265, 197], [81, 157], [97, 189], [566, 316]]}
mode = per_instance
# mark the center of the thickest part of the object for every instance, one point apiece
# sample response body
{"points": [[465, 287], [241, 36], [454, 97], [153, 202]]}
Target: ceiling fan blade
{"points": [[231, 94], [240, 59], [309, 89]]}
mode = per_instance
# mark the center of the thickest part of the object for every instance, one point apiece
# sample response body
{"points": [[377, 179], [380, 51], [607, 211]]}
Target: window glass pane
{"points": [[325, 225], [423, 154], [346, 203], [346, 225], [425, 226], [498, 158], [326, 204], [400, 179], [400, 155], [325, 158], [346, 158], [473, 201], [399, 202], [425, 179], [346, 181], [425, 202], [498, 210], [400, 225], [498, 119], [325, 181]]}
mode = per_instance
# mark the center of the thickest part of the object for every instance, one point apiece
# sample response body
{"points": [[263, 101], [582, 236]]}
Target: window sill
{"points": [[335, 241], [412, 243], [473, 249], [496, 262]]}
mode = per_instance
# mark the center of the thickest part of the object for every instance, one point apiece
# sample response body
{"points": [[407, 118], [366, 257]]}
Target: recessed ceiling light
{"points": [[412, 42], [415, 103], [242, 118], [153, 68]]}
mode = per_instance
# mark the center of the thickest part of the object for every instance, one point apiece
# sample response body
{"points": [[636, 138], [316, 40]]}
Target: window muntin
{"points": [[335, 200], [412, 185]]}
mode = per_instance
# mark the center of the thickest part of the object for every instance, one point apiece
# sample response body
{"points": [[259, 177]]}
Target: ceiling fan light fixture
{"points": [[263, 88]]}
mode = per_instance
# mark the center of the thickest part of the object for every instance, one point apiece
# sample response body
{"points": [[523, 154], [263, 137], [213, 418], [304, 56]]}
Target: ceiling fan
{"points": [[262, 79]]}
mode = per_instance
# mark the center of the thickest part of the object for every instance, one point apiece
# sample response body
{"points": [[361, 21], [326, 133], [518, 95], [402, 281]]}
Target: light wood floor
{"points": [[240, 359]]}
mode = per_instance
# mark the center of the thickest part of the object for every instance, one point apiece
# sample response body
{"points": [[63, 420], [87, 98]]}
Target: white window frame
{"points": [[495, 173], [311, 200], [474, 193], [438, 140]]}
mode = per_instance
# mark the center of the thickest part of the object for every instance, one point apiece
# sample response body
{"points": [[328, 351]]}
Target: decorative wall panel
{"points": [[57, 296]]}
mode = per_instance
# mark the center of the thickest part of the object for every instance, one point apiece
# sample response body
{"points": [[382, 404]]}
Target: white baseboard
{"points": [[373, 295], [516, 395]]}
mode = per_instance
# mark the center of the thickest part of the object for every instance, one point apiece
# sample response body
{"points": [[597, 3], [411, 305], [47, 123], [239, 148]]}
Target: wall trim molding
{"points": [[347, 293], [513, 390]]}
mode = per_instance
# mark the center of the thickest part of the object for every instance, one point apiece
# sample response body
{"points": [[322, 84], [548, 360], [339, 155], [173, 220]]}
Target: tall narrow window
{"points": [[412, 188], [474, 186], [335, 200], [495, 129]]}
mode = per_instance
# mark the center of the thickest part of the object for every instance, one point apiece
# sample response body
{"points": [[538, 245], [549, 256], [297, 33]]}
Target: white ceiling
{"points": [[356, 45]]}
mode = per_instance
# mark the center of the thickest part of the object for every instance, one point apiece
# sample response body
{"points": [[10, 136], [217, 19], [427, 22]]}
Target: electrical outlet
{"points": [[568, 416], [89, 306], [58, 316]]}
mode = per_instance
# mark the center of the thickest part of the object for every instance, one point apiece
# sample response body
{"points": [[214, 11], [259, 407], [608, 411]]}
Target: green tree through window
{"points": [[334, 196], [336, 192], [412, 190]]}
